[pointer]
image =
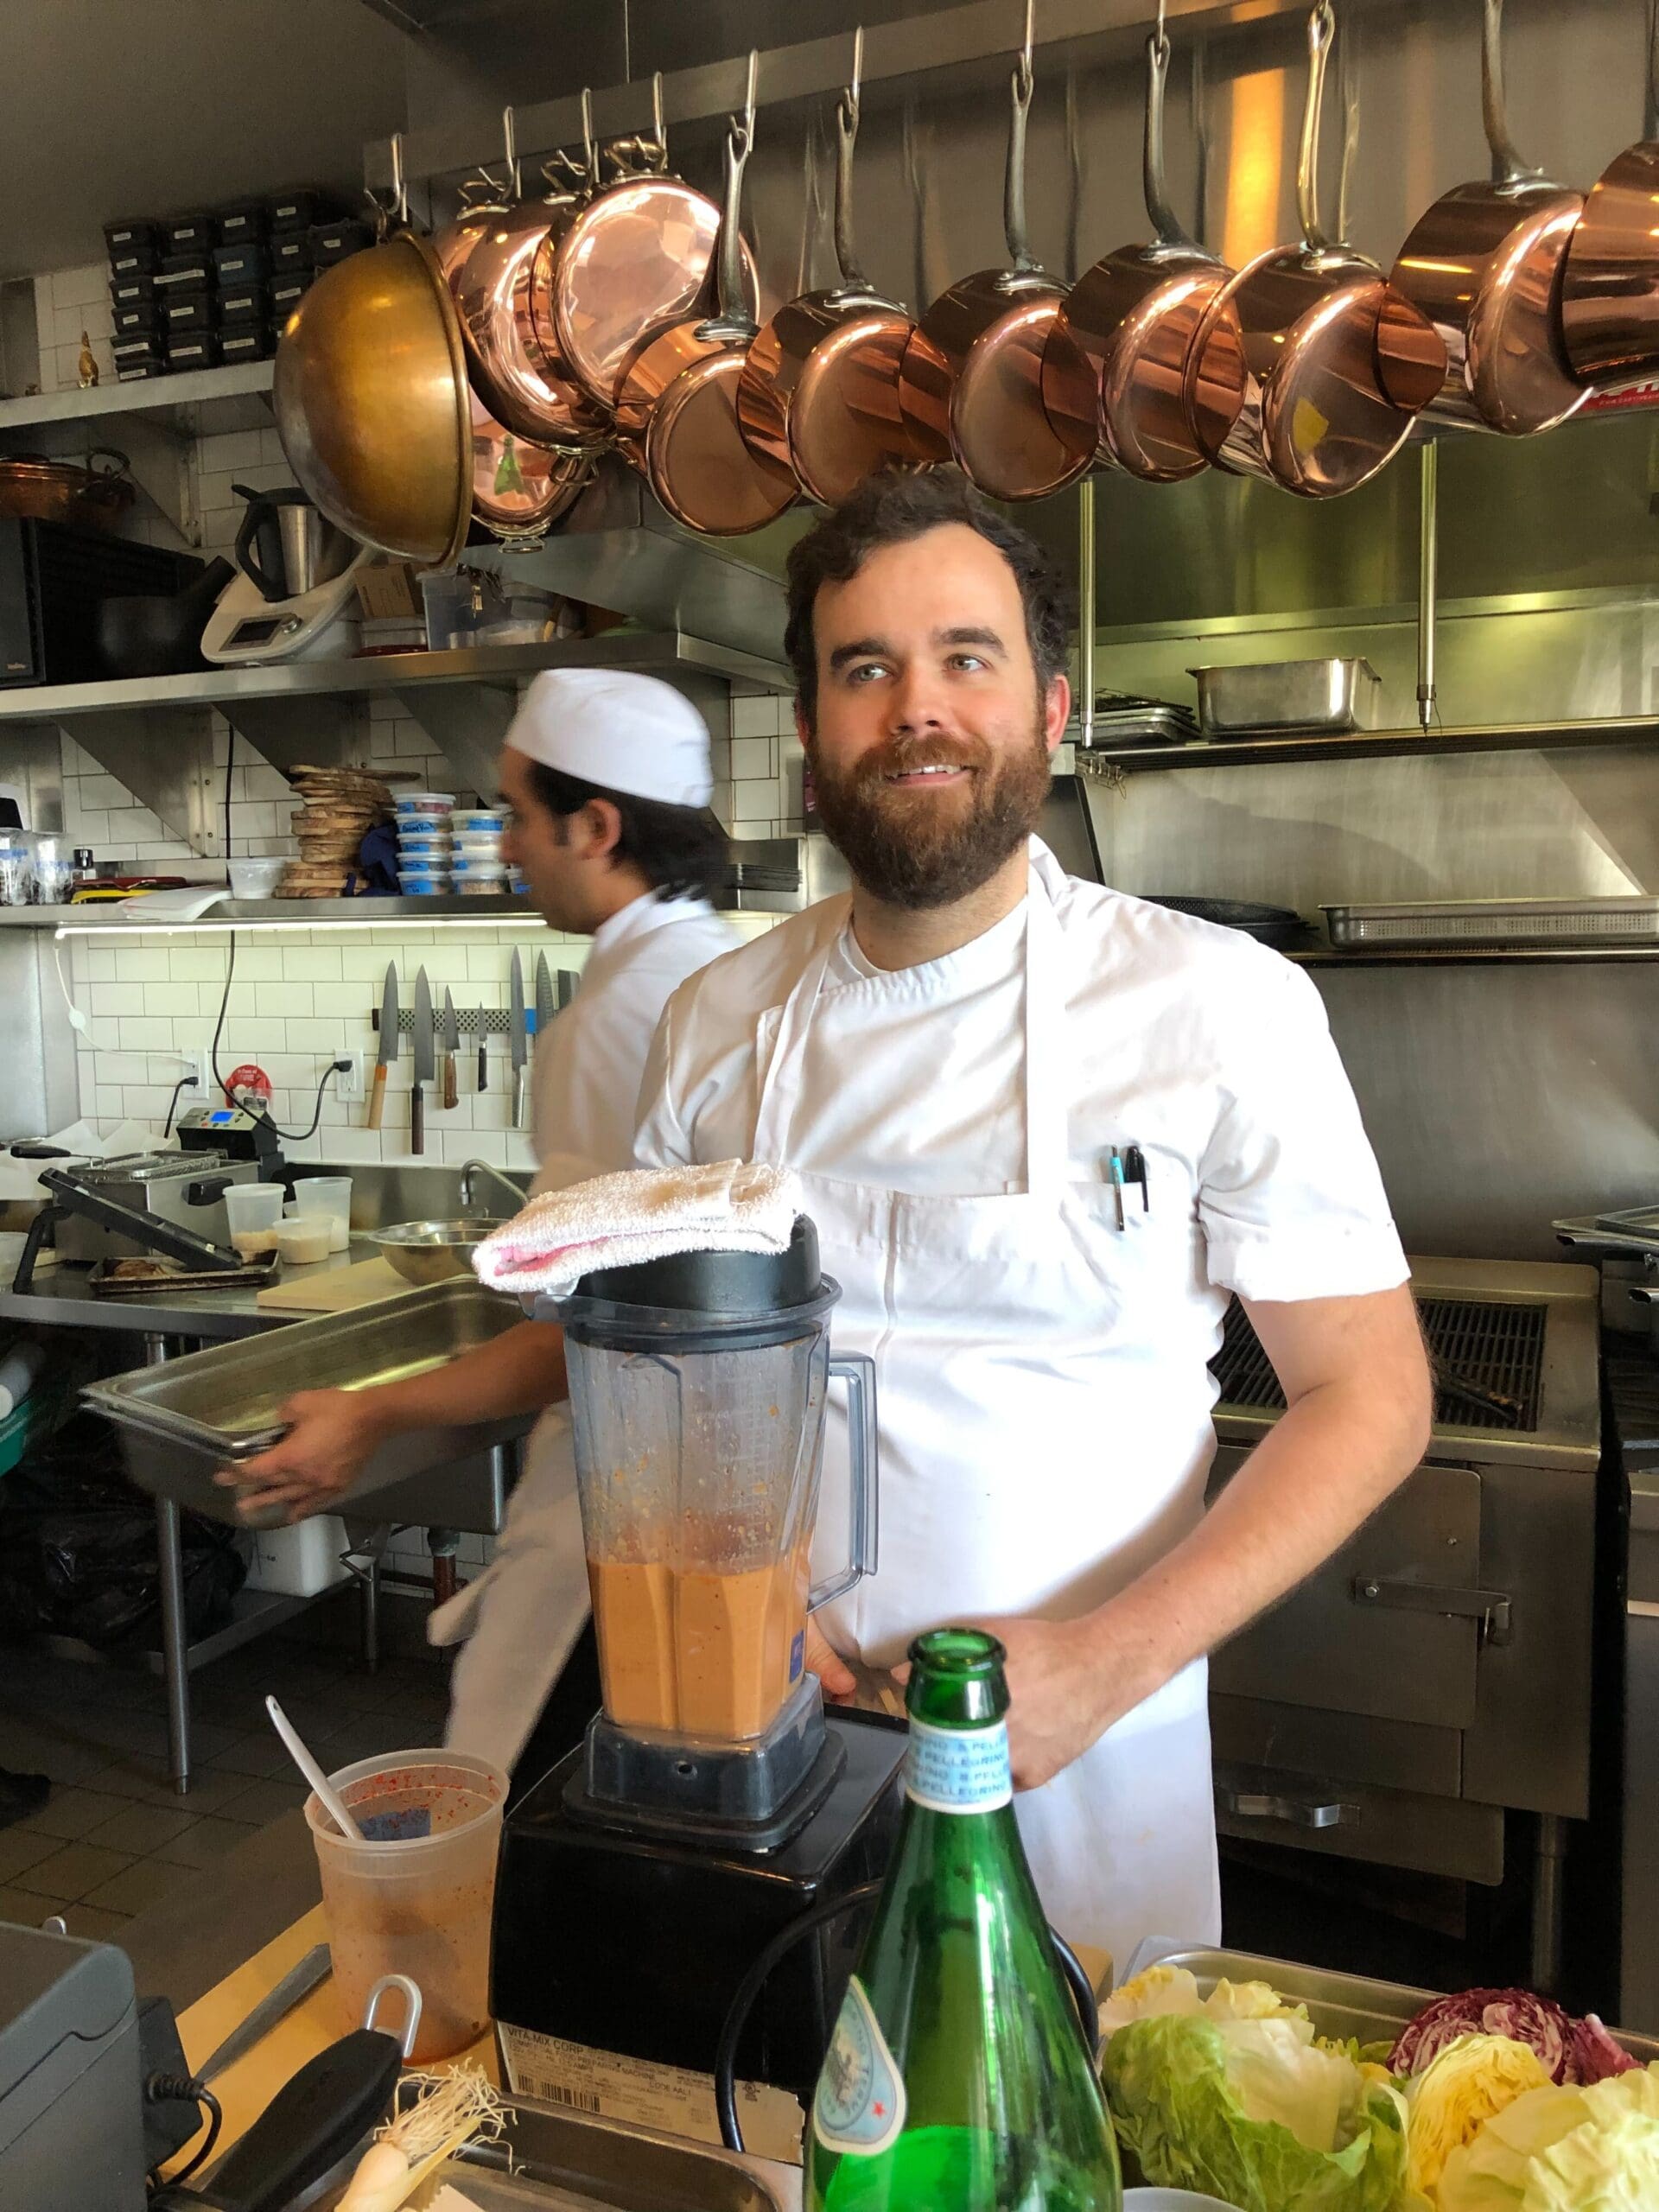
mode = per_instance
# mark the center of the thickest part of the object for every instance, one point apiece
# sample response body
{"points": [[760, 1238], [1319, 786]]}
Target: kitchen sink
{"points": [[386, 1192], [182, 1420], [562, 2163]]}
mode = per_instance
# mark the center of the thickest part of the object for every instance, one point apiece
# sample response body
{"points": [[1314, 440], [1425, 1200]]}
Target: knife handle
{"points": [[483, 1062], [377, 1095], [417, 1119], [520, 1098], [451, 1088]]}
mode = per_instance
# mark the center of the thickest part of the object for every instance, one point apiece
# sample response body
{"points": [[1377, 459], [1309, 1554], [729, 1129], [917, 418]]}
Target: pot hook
{"points": [[1168, 227], [1507, 167], [733, 320], [1015, 229], [852, 274], [561, 170], [1321, 30], [392, 213]]}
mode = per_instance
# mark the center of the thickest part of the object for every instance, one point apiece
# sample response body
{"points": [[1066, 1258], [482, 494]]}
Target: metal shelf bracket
{"points": [[317, 729], [164, 757]]}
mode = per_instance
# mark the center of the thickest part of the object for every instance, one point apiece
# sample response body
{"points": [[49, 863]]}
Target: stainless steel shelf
{"points": [[285, 913], [1443, 955], [189, 403], [650, 652], [1283, 747]]}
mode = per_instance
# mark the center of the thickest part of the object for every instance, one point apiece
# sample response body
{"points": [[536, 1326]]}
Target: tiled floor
{"points": [[115, 1837]]}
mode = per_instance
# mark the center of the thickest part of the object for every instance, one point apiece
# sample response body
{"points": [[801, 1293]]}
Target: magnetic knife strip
{"points": [[497, 1019]]}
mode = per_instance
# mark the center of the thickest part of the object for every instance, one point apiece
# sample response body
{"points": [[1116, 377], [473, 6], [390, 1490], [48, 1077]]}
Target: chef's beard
{"points": [[915, 849]]}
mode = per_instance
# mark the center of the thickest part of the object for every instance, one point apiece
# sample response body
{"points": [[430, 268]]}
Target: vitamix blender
{"points": [[714, 1800]]}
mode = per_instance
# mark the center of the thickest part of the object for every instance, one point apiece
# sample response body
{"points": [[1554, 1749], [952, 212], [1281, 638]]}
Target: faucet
{"points": [[471, 1169]]}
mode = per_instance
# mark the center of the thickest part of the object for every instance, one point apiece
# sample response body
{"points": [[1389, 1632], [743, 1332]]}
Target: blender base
{"points": [[631, 1944]]}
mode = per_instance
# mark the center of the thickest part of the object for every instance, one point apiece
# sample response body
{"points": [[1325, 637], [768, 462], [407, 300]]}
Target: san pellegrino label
{"points": [[958, 1770], [859, 2106]]}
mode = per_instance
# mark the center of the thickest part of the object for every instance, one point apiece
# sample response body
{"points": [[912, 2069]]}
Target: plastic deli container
{"points": [[415, 1896], [422, 886], [480, 820], [482, 886], [435, 804], [476, 864]]}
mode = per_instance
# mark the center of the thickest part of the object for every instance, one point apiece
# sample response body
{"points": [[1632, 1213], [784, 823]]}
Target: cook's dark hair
{"points": [[680, 850], [891, 507]]}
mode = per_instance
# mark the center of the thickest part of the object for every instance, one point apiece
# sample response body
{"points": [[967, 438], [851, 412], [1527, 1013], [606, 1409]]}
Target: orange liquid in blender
{"points": [[704, 1650]]}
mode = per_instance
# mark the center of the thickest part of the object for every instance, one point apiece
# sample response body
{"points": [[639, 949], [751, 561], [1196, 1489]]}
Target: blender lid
{"points": [[752, 1284]]}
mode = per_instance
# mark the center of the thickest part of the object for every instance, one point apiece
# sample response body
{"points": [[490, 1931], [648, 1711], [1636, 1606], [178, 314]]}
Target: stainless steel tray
{"points": [[182, 1420], [565, 2165], [1339, 2005], [1497, 921], [1334, 695]]}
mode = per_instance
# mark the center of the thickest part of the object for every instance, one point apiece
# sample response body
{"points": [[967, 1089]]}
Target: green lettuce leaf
{"points": [[1561, 2150], [1255, 2112]]}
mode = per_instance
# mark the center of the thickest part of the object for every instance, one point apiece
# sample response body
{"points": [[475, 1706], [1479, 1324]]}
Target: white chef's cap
{"points": [[627, 733]]}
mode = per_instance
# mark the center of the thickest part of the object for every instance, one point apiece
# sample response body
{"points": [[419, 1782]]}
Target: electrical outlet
{"points": [[194, 1064], [348, 1082]]}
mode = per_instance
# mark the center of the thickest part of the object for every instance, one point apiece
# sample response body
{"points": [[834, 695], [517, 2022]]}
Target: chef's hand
{"points": [[330, 1436], [1056, 1707], [831, 1669]]}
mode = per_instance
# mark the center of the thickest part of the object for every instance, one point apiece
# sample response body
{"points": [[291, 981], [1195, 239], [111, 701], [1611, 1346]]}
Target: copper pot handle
{"points": [[852, 273], [1015, 229], [1168, 227], [1507, 167], [733, 321], [1321, 31]]}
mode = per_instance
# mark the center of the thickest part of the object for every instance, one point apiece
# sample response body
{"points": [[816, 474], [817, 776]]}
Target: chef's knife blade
{"points": [[295, 1987], [388, 1051], [425, 1063], [547, 1003], [519, 1042], [451, 1047], [483, 1052]]}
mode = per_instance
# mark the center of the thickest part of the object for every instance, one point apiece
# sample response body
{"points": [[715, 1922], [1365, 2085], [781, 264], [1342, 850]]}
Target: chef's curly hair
{"points": [[680, 850], [891, 507]]}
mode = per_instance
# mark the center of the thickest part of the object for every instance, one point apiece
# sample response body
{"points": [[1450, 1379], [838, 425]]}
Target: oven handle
{"points": [[1298, 1812], [1491, 1610]]}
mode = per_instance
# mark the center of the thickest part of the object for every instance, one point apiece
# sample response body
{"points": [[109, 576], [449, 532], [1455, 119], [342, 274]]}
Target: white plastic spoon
{"points": [[312, 1773]]}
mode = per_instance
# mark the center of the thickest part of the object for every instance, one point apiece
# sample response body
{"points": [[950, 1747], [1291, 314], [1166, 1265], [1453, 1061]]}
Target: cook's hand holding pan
{"points": [[1333, 364], [1485, 264]]}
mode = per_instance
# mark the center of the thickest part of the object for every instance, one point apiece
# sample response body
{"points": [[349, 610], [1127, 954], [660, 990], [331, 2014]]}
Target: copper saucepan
{"points": [[633, 260], [677, 411], [1609, 290], [1334, 363], [819, 391], [970, 382], [1115, 366], [528, 389], [1485, 265]]}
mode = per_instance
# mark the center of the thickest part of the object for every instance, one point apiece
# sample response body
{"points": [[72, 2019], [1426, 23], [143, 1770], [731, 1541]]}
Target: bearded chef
{"points": [[1046, 1132], [608, 779]]}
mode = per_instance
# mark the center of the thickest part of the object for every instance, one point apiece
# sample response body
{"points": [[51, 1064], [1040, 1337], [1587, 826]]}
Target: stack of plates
{"points": [[1121, 719]]}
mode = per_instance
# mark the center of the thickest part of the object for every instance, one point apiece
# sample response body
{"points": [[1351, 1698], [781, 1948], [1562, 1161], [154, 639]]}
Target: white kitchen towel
{"points": [[643, 1213]]}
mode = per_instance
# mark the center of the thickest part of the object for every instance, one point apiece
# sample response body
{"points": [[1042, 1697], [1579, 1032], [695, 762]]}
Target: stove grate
{"points": [[1496, 1343]]}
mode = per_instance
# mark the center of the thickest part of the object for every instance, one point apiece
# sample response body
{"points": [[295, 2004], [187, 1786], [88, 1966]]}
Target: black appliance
{"points": [[53, 580]]}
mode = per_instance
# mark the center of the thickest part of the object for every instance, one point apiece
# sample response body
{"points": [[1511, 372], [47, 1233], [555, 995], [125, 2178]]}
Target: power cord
{"points": [[299, 1136], [184, 1083], [179, 2089]]}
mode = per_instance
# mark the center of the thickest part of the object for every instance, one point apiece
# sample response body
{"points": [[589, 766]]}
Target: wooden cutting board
{"points": [[332, 1290]]}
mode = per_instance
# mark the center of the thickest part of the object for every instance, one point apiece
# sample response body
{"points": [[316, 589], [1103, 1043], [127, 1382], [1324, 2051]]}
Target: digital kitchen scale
{"points": [[246, 627]]}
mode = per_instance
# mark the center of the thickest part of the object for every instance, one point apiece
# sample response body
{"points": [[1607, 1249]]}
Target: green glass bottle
{"points": [[958, 2079]]}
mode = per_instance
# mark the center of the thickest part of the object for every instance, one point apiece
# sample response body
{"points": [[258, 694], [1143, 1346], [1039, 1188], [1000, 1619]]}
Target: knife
{"points": [[425, 1063], [483, 1052], [547, 1004], [519, 1037], [295, 1987], [388, 1045], [451, 1047]]}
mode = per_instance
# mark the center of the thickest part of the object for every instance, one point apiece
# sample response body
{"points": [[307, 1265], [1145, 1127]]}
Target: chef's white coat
{"points": [[521, 1616], [1043, 1397]]}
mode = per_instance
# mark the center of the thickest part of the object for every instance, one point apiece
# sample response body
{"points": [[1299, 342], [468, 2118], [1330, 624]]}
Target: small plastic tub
{"points": [[254, 1211], [327, 1198], [432, 805], [306, 1240], [480, 820], [422, 886], [418, 836], [479, 845], [482, 886], [415, 1896], [477, 864]]}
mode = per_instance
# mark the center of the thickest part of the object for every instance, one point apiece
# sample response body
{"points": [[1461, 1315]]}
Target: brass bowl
{"points": [[429, 1251], [372, 402]]}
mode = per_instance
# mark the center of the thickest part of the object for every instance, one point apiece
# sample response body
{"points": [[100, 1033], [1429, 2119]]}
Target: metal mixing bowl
{"points": [[427, 1251]]}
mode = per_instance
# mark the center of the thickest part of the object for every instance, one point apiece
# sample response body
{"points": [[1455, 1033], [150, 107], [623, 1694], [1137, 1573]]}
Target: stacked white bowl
{"points": [[425, 843], [479, 869]]}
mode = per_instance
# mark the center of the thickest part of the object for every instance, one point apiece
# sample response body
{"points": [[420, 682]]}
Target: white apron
{"points": [[517, 1620], [987, 1318]]}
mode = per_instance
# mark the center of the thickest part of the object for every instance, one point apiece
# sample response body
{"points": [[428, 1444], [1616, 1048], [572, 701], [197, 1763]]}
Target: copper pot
{"points": [[819, 391], [528, 389], [1610, 288], [677, 411], [1335, 364], [1485, 265], [62, 490], [970, 381], [520, 489], [1115, 368], [632, 262]]}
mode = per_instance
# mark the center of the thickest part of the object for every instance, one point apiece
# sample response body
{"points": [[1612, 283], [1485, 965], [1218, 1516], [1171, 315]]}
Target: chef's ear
{"points": [[1057, 710], [595, 830]]}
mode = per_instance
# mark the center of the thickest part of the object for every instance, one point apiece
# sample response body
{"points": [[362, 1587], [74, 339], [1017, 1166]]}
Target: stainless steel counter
{"points": [[61, 1298]]}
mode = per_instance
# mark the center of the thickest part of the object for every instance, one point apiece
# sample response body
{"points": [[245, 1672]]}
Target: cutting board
{"points": [[332, 1290]]}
